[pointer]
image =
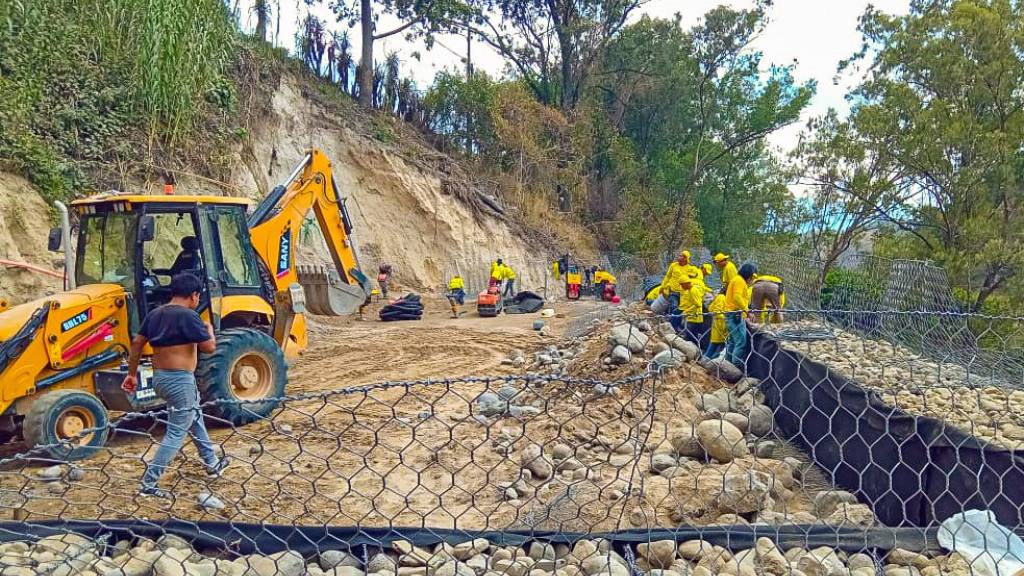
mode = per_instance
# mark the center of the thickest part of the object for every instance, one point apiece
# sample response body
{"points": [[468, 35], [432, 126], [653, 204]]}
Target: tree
{"points": [[422, 17], [698, 108], [262, 10], [943, 102], [552, 44], [852, 188]]}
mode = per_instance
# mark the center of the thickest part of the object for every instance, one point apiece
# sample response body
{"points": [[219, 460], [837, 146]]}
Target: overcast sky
{"points": [[813, 34]]}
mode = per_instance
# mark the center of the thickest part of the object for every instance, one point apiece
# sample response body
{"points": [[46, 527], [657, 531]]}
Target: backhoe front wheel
{"points": [[246, 374], [67, 424]]}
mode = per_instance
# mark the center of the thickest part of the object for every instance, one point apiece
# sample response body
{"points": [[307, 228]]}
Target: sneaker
{"points": [[156, 493], [218, 470]]}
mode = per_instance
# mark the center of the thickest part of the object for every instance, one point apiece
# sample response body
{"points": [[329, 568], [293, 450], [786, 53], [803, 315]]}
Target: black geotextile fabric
{"points": [[238, 538], [409, 307], [524, 303], [912, 470]]}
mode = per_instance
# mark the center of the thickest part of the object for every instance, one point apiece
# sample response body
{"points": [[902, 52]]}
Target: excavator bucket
{"points": [[327, 295]]}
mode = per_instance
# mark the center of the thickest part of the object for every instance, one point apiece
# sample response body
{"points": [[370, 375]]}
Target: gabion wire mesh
{"points": [[836, 452]]}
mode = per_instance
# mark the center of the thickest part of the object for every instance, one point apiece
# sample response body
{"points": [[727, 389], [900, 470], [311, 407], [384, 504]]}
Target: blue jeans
{"points": [[737, 343], [510, 287], [458, 295], [178, 389], [714, 349]]}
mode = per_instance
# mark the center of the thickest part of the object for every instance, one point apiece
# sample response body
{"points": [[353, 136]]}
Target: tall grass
{"points": [[169, 55]]}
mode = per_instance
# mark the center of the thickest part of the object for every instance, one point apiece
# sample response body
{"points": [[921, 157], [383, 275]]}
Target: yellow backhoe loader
{"points": [[62, 356]]}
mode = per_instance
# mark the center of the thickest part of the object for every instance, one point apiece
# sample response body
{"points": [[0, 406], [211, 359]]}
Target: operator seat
{"points": [[188, 259]]}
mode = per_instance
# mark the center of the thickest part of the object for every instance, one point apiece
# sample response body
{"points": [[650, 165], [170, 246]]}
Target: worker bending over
{"points": [[670, 284], [456, 294], [767, 293], [509, 276], [737, 305], [726, 268]]}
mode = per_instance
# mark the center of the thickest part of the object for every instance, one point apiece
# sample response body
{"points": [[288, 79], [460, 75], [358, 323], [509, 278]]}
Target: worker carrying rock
{"points": [[509, 277], [177, 335], [726, 268], [670, 284], [456, 294], [766, 294], [604, 282]]}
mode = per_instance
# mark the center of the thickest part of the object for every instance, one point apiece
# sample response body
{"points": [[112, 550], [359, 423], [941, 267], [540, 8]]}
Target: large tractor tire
{"points": [[67, 424], [246, 374]]}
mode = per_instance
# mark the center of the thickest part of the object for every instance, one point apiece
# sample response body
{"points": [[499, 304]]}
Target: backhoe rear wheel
{"points": [[247, 373], [67, 424]]}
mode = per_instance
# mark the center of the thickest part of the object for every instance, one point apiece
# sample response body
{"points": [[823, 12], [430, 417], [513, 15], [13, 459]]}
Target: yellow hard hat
{"points": [[707, 268], [685, 254], [719, 257]]}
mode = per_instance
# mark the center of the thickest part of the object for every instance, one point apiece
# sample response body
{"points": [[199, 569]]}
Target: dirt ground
{"points": [[361, 447]]}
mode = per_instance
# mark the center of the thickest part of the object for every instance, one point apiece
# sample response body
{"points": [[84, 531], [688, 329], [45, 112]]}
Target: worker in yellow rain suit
{"points": [[556, 270], [719, 332], [737, 305], [767, 293], [691, 307], [456, 294], [496, 269], [670, 287], [509, 276], [726, 268]]}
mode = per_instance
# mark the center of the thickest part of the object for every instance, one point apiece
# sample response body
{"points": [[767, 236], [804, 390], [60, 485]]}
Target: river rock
{"points": [[381, 563], [761, 419], [662, 462], [629, 336], [689, 349], [686, 444], [620, 355], [737, 420], [742, 493], [583, 549], [659, 554], [330, 559], [724, 370], [721, 440], [825, 503], [466, 550], [670, 358], [288, 563]]}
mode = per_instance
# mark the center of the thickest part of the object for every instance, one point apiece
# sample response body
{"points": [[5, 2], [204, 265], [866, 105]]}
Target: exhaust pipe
{"points": [[69, 255]]}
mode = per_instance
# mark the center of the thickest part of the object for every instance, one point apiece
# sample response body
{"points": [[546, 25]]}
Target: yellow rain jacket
{"points": [[456, 283], [507, 273], [653, 294], [719, 331], [555, 270], [603, 276], [675, 274], [728, 273], [737, 299], [496, 270], [691, 304]]}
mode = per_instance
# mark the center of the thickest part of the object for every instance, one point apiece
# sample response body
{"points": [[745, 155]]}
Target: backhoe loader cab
{"points": [[62, 356]]}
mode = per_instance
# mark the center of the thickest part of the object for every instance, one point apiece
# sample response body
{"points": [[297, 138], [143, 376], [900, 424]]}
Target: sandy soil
{"points": [[416, 454]]}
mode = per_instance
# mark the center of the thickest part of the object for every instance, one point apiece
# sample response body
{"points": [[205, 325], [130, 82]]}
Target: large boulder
{"points": [[761, 420], [621, 355], [743, 493], [629, 336], [721, 440], [670, 358], [723, 370]]}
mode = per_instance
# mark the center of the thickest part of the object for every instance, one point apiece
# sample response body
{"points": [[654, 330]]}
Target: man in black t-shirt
{"points": [[177, 335]]}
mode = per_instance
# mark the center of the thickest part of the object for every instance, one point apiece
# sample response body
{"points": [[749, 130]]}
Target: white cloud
{"points": [[813, 34]]}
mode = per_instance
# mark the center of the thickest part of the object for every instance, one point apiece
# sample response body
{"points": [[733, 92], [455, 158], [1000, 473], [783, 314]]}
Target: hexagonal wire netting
{"points": [[849, 442]]}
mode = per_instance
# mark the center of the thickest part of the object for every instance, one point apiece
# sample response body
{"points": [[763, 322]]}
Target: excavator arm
{"points": [[274, 227]]}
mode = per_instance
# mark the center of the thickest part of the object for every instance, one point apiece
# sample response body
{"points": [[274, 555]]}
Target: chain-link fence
{"points": [[619, 450]]}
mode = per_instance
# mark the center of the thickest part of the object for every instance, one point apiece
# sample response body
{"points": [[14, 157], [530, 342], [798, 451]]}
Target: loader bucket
{"points": [[327, 295]]}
